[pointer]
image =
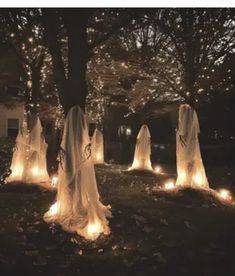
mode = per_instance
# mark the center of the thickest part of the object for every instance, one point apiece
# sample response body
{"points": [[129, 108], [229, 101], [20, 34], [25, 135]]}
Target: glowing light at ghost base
{"points": [[54, 181], [35, 171], [158, 169], [17, 171], [198, 179], [54, 209], [225, 194], [94, 230], [98, 156], [136, 164], [169, 185], [182, 176]]}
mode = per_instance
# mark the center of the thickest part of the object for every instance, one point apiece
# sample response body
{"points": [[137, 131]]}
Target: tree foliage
{"points": [[137, 58]]}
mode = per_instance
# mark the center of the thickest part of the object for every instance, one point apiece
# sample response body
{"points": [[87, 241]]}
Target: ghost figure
{"points": [[37, 168], [78, 207], [190, 167], [97, 147], [29, 156], [142, 150], [19, 157]]}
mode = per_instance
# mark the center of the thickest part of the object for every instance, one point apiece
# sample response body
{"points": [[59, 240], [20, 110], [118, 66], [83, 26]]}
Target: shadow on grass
{"points": [[152, 232]]}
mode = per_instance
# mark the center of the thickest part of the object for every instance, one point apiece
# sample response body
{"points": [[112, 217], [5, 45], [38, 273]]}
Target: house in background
{"points": [[11, 118], [12, 115]]}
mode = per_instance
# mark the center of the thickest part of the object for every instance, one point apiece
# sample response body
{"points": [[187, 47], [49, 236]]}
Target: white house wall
{"points": [[10, 113]]}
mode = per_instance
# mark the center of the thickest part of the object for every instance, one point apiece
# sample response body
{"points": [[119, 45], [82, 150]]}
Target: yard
{"points": [[152, 232]]}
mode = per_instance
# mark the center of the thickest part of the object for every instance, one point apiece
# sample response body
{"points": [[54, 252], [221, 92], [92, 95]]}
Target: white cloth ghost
{"points": [[77, 207], [29, 156], [190, 169], [142, 150], [97, 147]]}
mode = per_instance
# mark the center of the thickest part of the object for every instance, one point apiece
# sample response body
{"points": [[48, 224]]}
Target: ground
{"points": [[152, 232]]}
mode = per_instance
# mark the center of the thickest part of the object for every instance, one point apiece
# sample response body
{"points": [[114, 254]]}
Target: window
{"points": [[12, 127]]}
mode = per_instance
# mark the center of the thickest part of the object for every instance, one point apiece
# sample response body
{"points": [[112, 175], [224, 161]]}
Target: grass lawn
{"points": [[152, 233]]}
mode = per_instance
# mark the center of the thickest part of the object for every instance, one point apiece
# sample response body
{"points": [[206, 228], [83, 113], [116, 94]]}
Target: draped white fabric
{"points": [[142, 150], [97, 147], [77, 207], [190, 168], [29, 156]]}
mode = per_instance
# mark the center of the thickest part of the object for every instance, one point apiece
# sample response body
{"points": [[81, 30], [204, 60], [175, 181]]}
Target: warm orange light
{"points": [[17, 171], [169, 185], [54, 208], [225, 194], [35, 171], [182, 176], [198, 179], [54, 181], [136, 164], [94, 230], [158, 169], [98, 156]]}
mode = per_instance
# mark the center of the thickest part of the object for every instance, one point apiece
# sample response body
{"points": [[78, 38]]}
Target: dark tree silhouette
{"points": [[201, 40], [24, 36], [83, 30]]}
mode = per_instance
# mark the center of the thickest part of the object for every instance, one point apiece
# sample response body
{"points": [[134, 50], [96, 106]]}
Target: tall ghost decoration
{"points": [[97, 147], [29, 157], [190, 168], [142, 150], [78, 207]]}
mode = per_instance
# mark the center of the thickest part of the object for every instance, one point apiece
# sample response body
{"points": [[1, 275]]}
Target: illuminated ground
{"points": [[152, 233]]}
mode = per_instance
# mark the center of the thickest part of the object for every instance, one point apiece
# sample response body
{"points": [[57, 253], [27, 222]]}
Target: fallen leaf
{"points": [[40, 261], [160, 258], [148, 229], [127, 263], [188, 224], [164, 221], [139, 219], [19, 229], [78, 251]]}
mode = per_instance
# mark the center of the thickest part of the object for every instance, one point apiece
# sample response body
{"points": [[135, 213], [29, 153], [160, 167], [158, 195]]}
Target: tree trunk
{"points": [[189, 84], [73, 89], [189, 65], [76, 23], [52, 25]]}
